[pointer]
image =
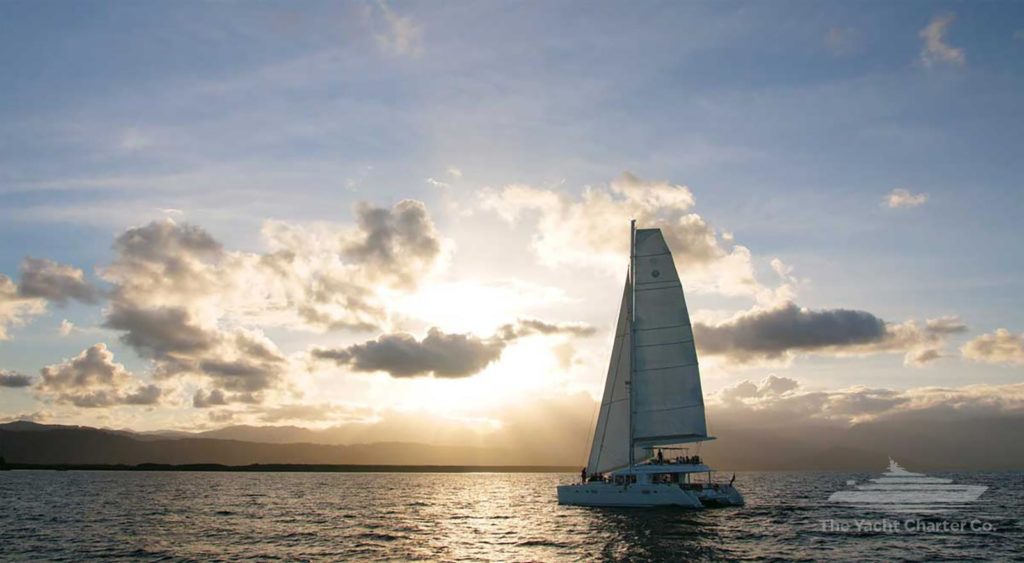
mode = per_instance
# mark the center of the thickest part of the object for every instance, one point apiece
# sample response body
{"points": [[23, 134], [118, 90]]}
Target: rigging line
{"points": [[664, 343], [668, 283], [707, 420], [661, 288], [583, 450]]}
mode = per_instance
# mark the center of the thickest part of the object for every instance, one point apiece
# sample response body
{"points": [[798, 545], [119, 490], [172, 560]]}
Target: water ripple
{"points": [[135, 516]]}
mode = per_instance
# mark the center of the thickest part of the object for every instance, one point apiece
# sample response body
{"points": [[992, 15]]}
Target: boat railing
{"points": [[678, 460]]}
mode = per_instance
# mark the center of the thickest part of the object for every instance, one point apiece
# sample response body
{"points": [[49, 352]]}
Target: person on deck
{"points": [[661, 457], [583, 475]]}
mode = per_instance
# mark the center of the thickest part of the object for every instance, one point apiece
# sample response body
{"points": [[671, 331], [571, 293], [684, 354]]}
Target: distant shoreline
{"points": [[297, 468]]}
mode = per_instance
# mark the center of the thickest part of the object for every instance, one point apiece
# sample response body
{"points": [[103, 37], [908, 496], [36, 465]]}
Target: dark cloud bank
{"points": [[438, 353], [55, 282], [14, 379], [776, 333]]}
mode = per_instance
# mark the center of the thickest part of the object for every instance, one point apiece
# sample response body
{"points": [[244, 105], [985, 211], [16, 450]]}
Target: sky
{"points": [[413, 217]]}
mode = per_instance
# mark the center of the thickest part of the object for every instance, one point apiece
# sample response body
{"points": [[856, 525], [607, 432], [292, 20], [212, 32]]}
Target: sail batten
{"points": [[668, 367], [676, 408]]}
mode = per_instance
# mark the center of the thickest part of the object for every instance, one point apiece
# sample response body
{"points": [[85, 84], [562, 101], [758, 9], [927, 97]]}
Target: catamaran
{"points": [[652, 399]]}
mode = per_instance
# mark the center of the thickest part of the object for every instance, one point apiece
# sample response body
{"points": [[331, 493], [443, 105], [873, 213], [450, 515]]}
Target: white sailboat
{"points": [[652, 398]]}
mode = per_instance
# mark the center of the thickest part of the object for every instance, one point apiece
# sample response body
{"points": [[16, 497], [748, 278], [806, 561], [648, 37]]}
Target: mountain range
{"points": [[987, 444]]}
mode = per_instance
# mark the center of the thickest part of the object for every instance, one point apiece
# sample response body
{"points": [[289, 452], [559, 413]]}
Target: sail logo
{"points": [[902, 491]]}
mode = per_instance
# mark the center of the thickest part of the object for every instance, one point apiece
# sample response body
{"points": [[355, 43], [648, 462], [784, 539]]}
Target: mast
{"points": [[632, 331]]}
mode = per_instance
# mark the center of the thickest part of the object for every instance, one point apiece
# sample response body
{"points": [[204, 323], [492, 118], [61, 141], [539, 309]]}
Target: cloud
{"points": [[945, 325], [41, 281], [312, 413], [396, 244], [54, 282], [440, 354], [167, 280], [1000, 347], [333, 277], [238, 359], [144, 395], [37, 416], [923, 356], [14, 379], [935, 49], [772, 333], [581, 231], [565, 353], [165, 263], [159, 333], [901, 197], [527, 327], [402, 355], [217, 397], [92, 379], [779, 333], [181, 299], [796, 405], [306, 283], [401, 36], [15, 309], [454, 172], [202, 399], [929, 346], [241, 373], [770, 386], [843, 41], [775, 385], [66, 328]]}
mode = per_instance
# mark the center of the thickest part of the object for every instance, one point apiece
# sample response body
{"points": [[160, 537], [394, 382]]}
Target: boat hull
{"points": [[720, 496], [638, 495]]}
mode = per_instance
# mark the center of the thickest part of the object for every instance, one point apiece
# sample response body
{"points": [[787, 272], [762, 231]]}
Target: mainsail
{"points": [[668, 406], [654, 341]]}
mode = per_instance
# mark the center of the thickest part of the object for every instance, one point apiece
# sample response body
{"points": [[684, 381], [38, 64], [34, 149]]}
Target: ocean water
{"points": [[174, 516]]}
